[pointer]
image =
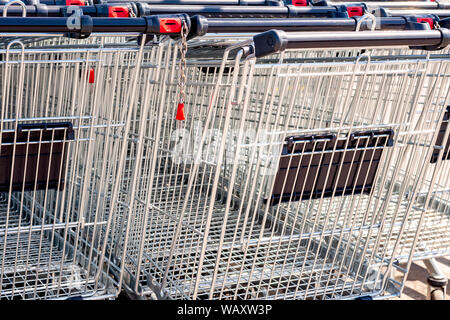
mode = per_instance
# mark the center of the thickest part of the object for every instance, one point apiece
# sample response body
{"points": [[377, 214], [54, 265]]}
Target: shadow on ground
{"points": [[416, 285]]}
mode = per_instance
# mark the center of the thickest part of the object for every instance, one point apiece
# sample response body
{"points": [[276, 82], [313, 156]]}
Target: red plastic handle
{"points": [[300, 3], [75, 3], [355, 11], [430, 21], [118, 12], [170, 25]]}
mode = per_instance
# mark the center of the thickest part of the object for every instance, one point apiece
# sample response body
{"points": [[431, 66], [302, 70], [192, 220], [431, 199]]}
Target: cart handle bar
{"points": [[276, 41], [85, 25], [142, 9], [389, 5], [201, 25], [178, 2]]}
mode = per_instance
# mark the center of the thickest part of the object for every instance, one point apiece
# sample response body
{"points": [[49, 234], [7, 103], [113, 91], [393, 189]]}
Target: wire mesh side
{"points": [[204, 225], [56, 239]]}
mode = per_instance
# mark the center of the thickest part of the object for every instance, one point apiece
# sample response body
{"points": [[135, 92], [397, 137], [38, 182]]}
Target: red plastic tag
{"points": [[430, 21], [180, 112], [118, 12], [355, 11], [170, 25], [91, 76], [75, 3], [300, 3]]}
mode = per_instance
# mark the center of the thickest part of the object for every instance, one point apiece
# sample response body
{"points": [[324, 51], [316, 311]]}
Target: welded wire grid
{"points": [[203, 225], [57, 236], [434, 237], [252, 271]]}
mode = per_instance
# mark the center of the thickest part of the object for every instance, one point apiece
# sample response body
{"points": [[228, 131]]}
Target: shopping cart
{"points": [[288, 176], [68, 110]]}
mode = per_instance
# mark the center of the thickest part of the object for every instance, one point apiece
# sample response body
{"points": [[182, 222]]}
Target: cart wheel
{"points": [[437, 294]]}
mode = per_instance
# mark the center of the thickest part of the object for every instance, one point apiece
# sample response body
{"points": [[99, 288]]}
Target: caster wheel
{"points": [[437, 294]]}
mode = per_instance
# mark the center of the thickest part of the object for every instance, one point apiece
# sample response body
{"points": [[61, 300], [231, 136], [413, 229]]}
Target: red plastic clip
{"points": [[91, 75], [118, 12], [75, 3], [180, 112], [170, 25], [300, 3], [355, 11], [430, 21]]}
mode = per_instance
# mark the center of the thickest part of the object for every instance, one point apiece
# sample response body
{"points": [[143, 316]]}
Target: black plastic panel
{"points": [[310, 169], [39, 156]]}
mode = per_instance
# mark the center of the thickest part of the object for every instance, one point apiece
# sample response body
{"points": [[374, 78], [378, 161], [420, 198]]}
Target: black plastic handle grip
{"points": [[36, 10], [142, 9], [242, 11], [154, 2], [396, 4], [42, 10], [163, 24], [200, 2], [442, 14], [276, 40], [202, 25], [25, 2]]}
